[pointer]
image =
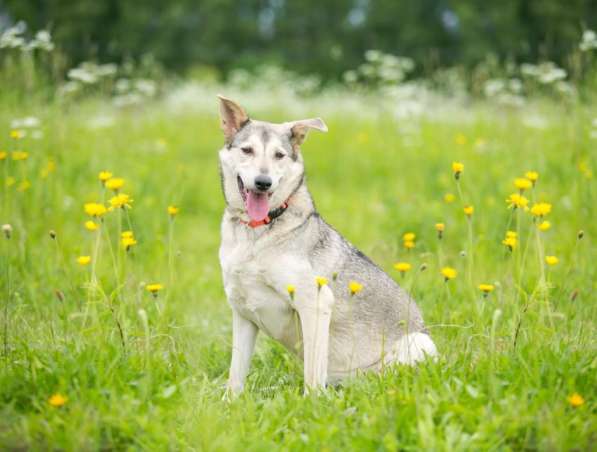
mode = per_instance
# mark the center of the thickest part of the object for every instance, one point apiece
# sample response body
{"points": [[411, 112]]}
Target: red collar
{"points": [[272, 215]]}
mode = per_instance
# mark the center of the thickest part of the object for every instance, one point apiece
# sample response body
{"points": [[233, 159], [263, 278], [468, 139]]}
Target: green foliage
{"points": [[309, 36]]}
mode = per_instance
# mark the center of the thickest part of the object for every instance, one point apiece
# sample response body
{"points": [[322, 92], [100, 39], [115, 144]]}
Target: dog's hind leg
{"points": [[411, 348], [244, 333]]}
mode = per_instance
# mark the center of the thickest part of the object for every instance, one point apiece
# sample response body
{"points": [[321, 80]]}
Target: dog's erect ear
{"points": [[232, 117], [299, 129]]}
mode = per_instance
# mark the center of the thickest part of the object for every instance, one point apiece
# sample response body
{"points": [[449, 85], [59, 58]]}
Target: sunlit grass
{"points": [[130, 345]]}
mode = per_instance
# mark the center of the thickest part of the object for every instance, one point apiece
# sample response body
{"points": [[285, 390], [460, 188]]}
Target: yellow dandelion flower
{"points": [[486, 288], [402, 267], [510, 242], [20, 155], [17, 134], [94, 209], [291, 290], [516, 200], [91, 225], [551, 260], [321, 281], [354, 287], [522, 183], [409, 244], [544, 225], [24, 185], [173, 211], [3, 155], [48, 169], [83, 260], [457, 169], [575, 400], [128, 242], [585, 169], [511, 234], [114, 183], [533, 176], [154, 288], [121, 201], [440, 228], [540, 209], [57, 400], [449, 198], [468, 211], [104, 176], [409, 237], [448, 273]]}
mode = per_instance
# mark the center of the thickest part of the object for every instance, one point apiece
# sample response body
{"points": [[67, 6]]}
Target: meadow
{"points": [[123, 342]]}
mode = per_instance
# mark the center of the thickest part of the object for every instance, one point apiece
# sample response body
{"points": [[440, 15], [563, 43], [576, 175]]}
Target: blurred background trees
{"points": [[307, 36]]}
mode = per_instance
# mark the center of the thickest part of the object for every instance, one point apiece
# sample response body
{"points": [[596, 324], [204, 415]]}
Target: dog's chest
{"points": [[250, 282]]}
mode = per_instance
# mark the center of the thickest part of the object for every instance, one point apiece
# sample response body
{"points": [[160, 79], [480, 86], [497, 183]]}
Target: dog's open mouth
{"points": [[257, 204]]}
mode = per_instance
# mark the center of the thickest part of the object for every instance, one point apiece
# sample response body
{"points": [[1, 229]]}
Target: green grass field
{"points": [[143, 372]]}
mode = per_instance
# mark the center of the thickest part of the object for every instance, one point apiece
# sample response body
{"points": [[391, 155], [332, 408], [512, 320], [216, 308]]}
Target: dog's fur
{"points": [[335, 333]]}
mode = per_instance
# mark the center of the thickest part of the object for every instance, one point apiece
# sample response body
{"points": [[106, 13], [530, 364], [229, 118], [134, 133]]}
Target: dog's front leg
{"points": [[315, 313], [244, 333]]}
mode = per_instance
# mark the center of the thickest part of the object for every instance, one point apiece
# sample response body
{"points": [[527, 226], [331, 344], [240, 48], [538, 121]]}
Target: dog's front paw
{"points": [[232, 391]]}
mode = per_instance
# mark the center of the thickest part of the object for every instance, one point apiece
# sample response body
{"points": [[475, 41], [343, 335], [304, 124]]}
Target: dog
{"points": [[287, 272]]}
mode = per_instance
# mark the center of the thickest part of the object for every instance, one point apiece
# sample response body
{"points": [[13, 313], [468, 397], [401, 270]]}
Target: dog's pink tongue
{"points": [[257, 205]]}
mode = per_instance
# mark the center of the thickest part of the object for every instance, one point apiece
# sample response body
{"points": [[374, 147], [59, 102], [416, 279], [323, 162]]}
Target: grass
{"points": [[148, 373]]}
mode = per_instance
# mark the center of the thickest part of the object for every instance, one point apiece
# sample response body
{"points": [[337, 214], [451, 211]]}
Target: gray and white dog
{"points": [[275, 245]]}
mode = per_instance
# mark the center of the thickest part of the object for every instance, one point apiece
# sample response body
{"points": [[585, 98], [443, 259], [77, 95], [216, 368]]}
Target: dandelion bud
{"points": [[573, 295], [52, 234], [580, 234], [334, 276], [291, 290], [7, 229], [423, 267], [59, 294]]}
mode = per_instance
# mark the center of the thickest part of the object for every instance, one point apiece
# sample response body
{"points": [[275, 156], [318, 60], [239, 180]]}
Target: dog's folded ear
{"points": [[232, 117], [299, 129]]}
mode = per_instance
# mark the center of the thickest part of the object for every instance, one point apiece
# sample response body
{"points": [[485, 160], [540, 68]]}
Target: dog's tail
{"points": [[411, 349]]}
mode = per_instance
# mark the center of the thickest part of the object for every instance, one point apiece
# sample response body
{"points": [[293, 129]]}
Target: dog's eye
{"points": [[279, 155], [247, 150]]}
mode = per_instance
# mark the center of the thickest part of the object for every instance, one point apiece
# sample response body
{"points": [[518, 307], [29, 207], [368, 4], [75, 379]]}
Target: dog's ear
{"points": [[299, 129], [232, 117]]}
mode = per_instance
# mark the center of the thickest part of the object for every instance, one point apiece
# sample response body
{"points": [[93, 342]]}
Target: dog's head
{"points": [[261, 162]]}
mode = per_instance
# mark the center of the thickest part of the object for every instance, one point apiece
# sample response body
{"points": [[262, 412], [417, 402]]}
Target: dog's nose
{"points": [[263, 183]]}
